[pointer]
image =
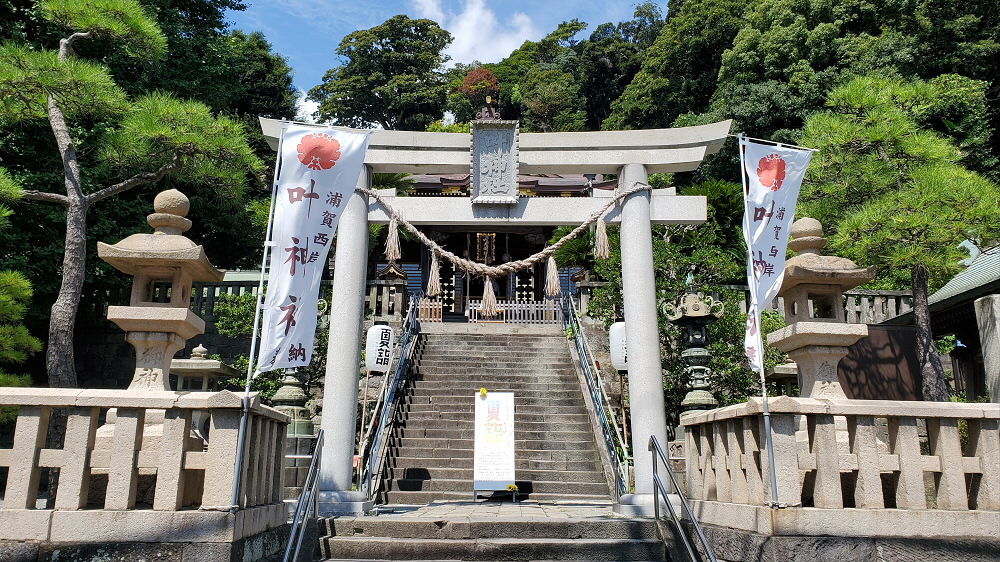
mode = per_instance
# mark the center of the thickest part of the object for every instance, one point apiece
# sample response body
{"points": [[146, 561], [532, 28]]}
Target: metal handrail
{"points": [[617, 447], [306, 504], [658, 489], [374, 456]]}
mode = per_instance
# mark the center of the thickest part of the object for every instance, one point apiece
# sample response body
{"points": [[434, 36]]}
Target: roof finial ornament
{"points": [[170, 207]]}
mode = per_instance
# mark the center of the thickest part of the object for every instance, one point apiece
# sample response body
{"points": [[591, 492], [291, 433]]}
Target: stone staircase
{"points": [[564, 512], [432, 448]]}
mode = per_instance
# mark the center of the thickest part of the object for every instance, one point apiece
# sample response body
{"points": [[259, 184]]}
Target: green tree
{"points": [[151, 137], [551, 101], [789, 55], [15, 293], [390, 77], [680, 69], [895, 195]]}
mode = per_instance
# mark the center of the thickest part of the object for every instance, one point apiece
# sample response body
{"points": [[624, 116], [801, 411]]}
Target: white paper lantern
{"points": [[378, 348], [618, 346]]}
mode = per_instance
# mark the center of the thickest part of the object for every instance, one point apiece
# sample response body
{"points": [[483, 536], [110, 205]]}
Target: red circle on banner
{"points": [[771, 171], [318, 151]]}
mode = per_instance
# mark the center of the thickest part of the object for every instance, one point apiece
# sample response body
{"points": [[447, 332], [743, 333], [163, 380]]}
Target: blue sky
{"points": [[307, 32]]}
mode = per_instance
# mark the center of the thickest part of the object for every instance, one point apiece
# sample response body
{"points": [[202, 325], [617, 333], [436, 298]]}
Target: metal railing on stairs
{"points": [[660, 491], [375, 439], [306, 506], [616, 445]]}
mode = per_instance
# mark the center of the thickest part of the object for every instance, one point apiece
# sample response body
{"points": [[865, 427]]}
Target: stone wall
{"points": [[732, 545]]}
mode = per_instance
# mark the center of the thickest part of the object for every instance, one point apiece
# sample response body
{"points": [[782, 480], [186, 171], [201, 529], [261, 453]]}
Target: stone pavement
{"points": [[528, 509]]}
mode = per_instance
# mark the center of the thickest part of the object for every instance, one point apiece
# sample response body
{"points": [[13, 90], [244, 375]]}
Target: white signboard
{"points": [[493, 467], [618, 346], [319, 169], [378, 348], [772, 176]]}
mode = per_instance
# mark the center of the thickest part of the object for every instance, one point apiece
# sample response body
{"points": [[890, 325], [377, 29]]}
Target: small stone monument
{"points": [[199, 373], [158, 319], [818, 334]]}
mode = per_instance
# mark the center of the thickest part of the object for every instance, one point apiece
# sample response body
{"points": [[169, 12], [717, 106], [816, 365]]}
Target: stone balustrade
{"points": [[181, 468], [890, 463]]}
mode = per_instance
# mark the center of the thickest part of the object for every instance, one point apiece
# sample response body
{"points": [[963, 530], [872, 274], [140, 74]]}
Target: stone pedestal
{"points": [[817, 348]]}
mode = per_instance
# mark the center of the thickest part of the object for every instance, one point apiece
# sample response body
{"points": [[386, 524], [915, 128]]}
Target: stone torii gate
{"points": [[495, 153]]}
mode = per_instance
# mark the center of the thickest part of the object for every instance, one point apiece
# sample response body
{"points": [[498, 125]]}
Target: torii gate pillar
{"points": [[645, 376], [340, 399]]}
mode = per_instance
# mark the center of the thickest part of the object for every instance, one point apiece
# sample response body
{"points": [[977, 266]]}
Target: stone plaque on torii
{"points": [[504, 153]]}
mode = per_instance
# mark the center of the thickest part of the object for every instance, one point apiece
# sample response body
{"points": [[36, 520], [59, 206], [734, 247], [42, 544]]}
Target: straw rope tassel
{"points": [[392, 240], [552, 286], [488, 307], [434, 279], [602, 250]]}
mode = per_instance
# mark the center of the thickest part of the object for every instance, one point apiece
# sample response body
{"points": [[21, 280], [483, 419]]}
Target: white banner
{"points": [[493, 464], [319, 169], [618, 347], [772, 176]]}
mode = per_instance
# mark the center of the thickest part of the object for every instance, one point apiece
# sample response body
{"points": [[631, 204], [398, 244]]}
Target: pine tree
{"points": [[147, 138]]}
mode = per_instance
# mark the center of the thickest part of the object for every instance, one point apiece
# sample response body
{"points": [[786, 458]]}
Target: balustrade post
{"points": [[220, 469], [827, 491], [74, 481], [786, 459], [904, 442], [170, 480], [123, 474], [984, 443], [943, 436], [29, 437], [864, 446]]}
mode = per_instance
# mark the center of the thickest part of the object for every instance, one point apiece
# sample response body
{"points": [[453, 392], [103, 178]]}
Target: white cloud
{"points": [[478, 34], [304, 108]]}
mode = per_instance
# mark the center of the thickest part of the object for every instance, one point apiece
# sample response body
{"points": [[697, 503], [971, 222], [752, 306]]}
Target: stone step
{"points": [[422, 473], [531, 390], [533, 363], [519, 463], [554, 424], [387, 548], [524, 370], [481, 379], [519, 400], [480, 528], [519, 434], [493, 340], [428, 496], [526, 487], [520, 417], [467, 409], [585, 455], [519, 444]]}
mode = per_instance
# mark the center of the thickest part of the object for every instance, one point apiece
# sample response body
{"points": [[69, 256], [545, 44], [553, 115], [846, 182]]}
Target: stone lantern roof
{"points": [[812, 267], [166, 246]]}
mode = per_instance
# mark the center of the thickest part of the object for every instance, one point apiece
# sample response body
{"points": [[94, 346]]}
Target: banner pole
{"points": [[769, 444], [252, 361], [754, 309]]}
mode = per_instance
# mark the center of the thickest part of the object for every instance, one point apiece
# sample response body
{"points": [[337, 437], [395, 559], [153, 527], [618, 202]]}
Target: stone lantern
{"points": [[693, 312], [818, 334], [164, 264]]}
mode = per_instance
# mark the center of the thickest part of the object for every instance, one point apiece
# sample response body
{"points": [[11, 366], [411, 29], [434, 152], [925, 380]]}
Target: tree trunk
{"points": [[59, 357], [933, 387], [59, 354]]}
